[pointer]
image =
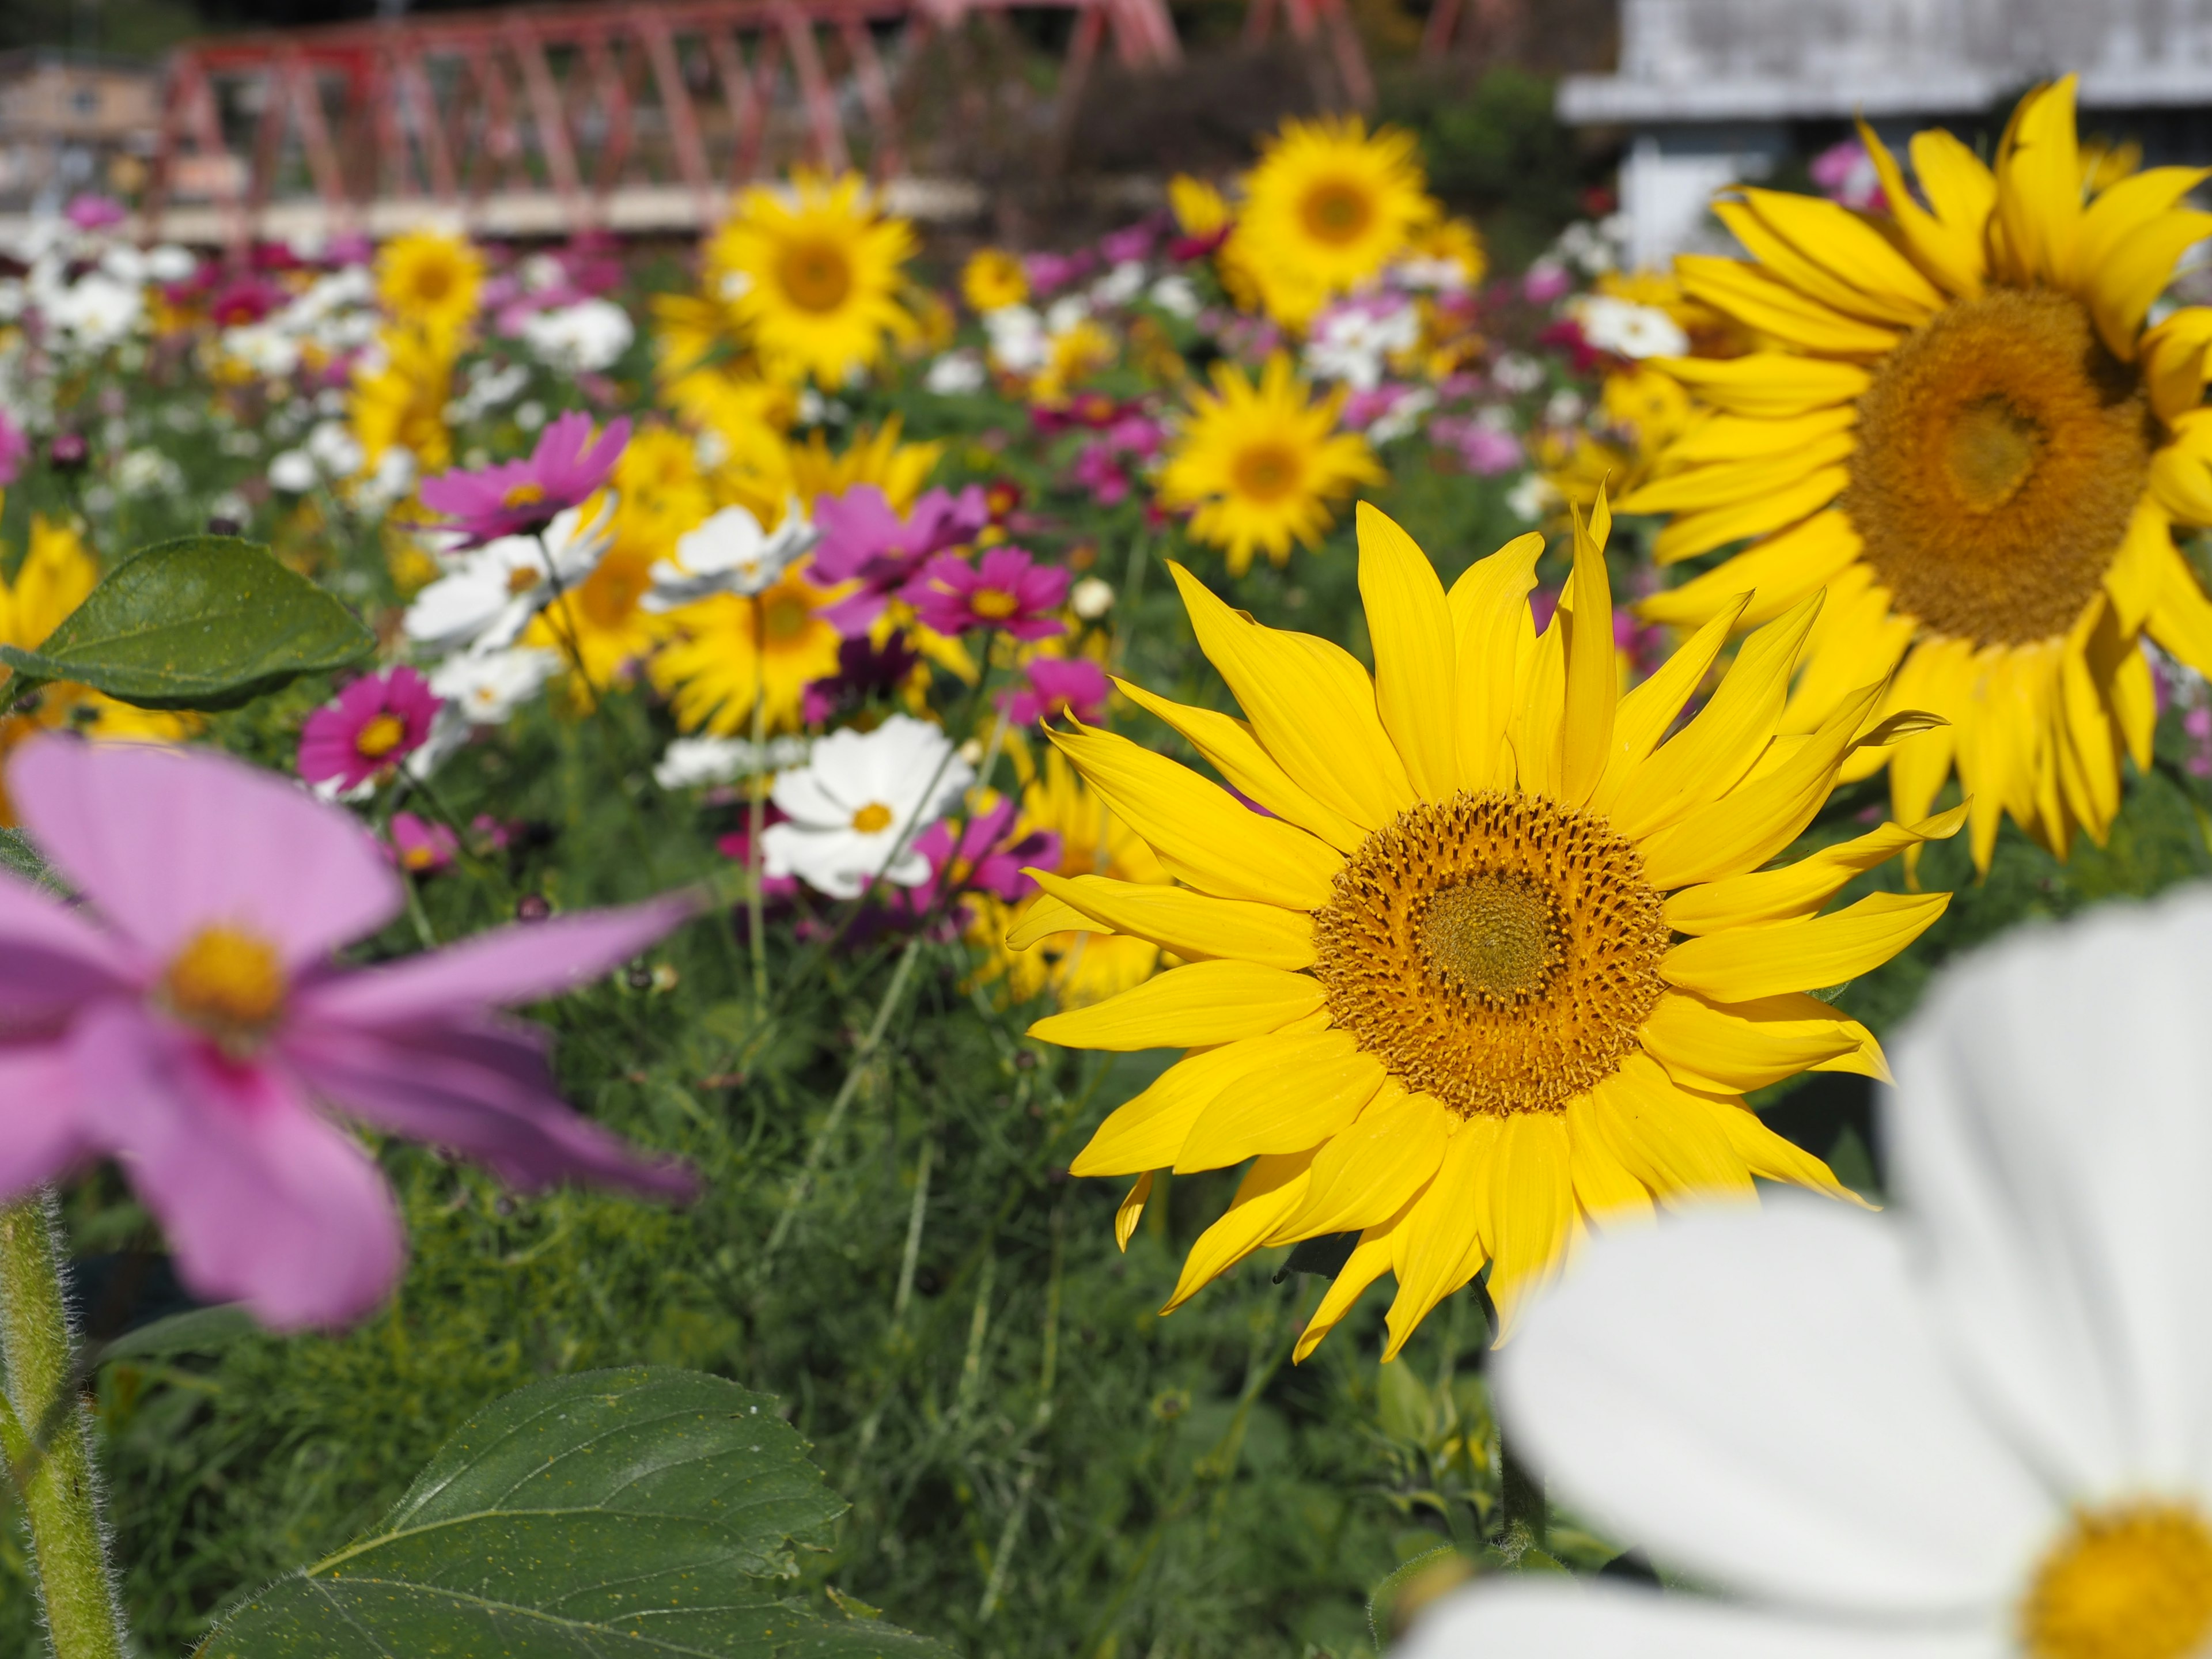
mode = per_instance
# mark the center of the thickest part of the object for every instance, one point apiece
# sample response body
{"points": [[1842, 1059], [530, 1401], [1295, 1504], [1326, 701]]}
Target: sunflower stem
{"points": [[56, 1481], [757, 811], [1528, 1517]]}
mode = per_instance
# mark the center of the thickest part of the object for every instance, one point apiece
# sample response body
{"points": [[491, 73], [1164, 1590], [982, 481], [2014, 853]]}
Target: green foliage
{"points": [[640, 1511], [202, 621]]}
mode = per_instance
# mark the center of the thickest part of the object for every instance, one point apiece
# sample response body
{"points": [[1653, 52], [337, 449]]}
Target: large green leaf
{"points": [[203, 622], [616, 1514]]}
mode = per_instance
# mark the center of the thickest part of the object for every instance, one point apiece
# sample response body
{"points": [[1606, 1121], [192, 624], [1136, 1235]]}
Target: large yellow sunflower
{"points": [[429, 281], [713, 668], [401, 400], [813, 279], [1328, 206], [1958, 423], [604, 620], [1500, 962], [1262, 464]]}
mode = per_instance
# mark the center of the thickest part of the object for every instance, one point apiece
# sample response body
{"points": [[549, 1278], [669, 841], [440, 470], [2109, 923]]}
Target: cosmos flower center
{"points": [[2002, 451], [1496, 950], [1336, 211], [993, 603], [816, 275], [379, 737], [527, 493], [2132, 1583], [872, 819], [521, 579], [1265, 471], [229, 983]]}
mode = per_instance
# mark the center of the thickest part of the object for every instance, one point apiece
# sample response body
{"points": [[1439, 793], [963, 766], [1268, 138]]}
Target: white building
{"points": [[1714, 91]]}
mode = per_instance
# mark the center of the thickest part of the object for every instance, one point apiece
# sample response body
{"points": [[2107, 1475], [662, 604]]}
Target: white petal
{"points": [[1552, 1618], [805, 797], [1756, 1396], [2053, 1128]]}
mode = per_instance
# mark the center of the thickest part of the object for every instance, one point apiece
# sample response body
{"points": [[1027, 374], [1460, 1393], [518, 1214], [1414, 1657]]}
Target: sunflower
{"points": [[1435, 991], [429, 281], [1328, 206], [1261, 464], [1959, 424], [713, 667], [991, 280], [876, 455], [813, 282], [659, 491], [602, 620], [401, 401]]}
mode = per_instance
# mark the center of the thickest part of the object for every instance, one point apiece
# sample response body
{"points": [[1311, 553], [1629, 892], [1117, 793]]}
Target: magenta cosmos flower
{"points": [[520, 498], [1055, 686], [193, 1025], [373, 725], [865, 541], [1005, 589]]}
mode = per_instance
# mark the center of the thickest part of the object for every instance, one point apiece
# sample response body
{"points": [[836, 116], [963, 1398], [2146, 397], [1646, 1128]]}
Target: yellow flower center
{"points": [[815, 276], [872, 819], [229, 983], [434, 279], [1498, 951], [2131, 1583], [521, 579], [381, 737], [784, 617], [2002, 451], [1336, 211], [993, 603], [524, 495], [419, 858], [1265, 473], [610, 598]]}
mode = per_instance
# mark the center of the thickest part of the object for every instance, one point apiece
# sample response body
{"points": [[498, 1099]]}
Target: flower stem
{"points": [[56, 1481], [1521, 1495], [757, 811]]}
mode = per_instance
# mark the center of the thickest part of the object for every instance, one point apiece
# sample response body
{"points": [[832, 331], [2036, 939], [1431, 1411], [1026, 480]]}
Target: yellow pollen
{"points": [[993, 603], [524, 495], [2130, 1582], [521, 579], [381, 737], [1993, 449], [816, 275], [1336, 211], [1265, 473], [228, 981], [1498, 951], [872, 819]]}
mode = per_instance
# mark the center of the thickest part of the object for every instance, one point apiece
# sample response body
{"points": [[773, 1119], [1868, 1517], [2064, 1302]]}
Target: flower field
{"points": [[1040, 905]]}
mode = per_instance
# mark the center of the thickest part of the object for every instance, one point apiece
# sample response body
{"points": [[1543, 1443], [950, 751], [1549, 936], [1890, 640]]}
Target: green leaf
{"points": [[19, 857], [203, 622], [196, 1330], [620, 1514]]}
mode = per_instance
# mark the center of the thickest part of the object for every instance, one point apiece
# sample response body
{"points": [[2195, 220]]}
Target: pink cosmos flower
{"points": [[520, 498], [987, 857], [93, 212], [1097, 473], [421, 847], [1054, 686], [1005, 589], [14, 449], [863, 540], [192, 1024], [375, 723]]}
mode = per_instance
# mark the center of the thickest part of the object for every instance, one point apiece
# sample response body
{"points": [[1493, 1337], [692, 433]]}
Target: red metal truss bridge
{"points": [[628, 118]]}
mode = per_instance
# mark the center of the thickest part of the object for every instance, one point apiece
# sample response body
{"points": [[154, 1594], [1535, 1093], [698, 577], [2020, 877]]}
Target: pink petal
{"points": [[521, 963], [168, 842], [483, 1089], [263, 1200], [43, 1133], [52, 959]]}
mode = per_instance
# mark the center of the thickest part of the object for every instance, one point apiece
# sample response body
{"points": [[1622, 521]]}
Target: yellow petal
{"points": [[1192, 925], [1798, 890], [1823, 249], [1270, 1189], [2039, 186], [1227, 745], [1726, 484], [1768, 1155], [1147, 1132], [1202, 833], [1950, 253], [2181, 616], [1311, 706], [1646, 713], [1286, 1109], [1416, 671], [1365, 1175], [1188, 1008], [2173, 358], [1959, 185], [1747, 1045], [1693, 533], [1044, 916], [1750, 962], [1723, 438], [1667, 1138], [2127, 207], [1592, 666], [1492, 628], [2121, 289], [1437, 1247], [1132, 1210], [1368, 1262], [1540, 696], [1760, 302], [1607, 1193], [1858, 639], [1532, 1207], [1769, 385], [1934, 676]]}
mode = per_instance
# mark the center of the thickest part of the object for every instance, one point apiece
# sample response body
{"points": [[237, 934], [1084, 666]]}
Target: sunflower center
{"points": [[816, 275], [2002, 451], [229, 983], [433, 281], [379, 737], [785, 617], [993, 603], [611, 597], [1336, 211], [2134, 1582], [1265, 471], [872, 819], [1498, 951]]}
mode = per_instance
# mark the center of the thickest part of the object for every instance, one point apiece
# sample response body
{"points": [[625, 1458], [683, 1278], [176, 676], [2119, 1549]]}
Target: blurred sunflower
{"points": [[659, 491], [1959, 424], [604, 619], [1327, 207], [1262, 464], [1435, 990], [728, 646], [401, 401], [875, 456], [992, 279], [429, 281], [813, 282]]}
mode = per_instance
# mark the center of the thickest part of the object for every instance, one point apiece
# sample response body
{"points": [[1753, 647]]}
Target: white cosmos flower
{"points": [[585, 337], [955, 374], [487, 687], [1983, 1428], [1626, 329], [690, 762], [861, 796], [729, 553], [489, 599]]}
